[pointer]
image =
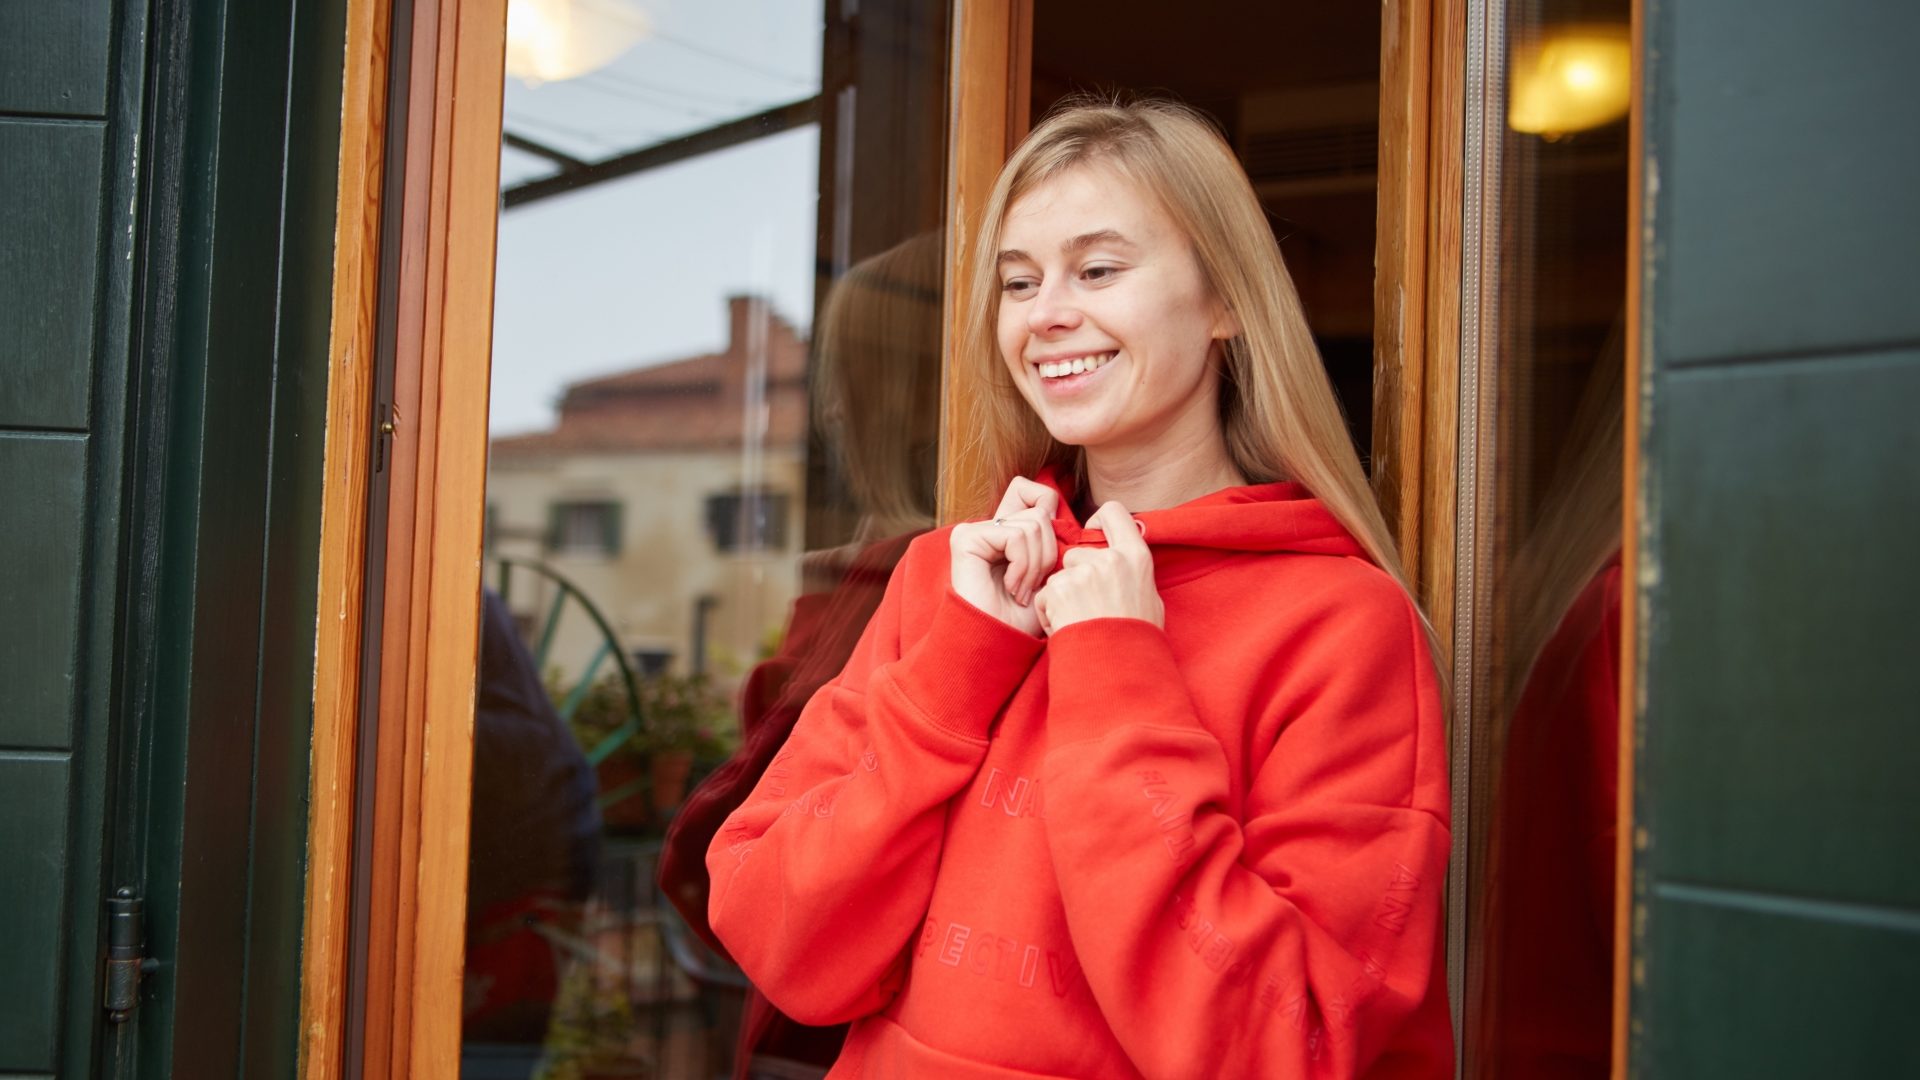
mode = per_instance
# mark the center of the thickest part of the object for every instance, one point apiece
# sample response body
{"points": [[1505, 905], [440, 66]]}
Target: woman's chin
{"points": [[1079, 436]]}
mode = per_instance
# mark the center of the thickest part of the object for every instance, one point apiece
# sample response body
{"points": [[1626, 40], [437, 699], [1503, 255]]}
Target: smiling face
{"points": [[1106, 321]]}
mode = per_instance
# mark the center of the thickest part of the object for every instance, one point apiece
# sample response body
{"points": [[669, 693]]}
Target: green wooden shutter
{"points": [[1777, 881], [67, 124], [164, 314], [611, 522]]}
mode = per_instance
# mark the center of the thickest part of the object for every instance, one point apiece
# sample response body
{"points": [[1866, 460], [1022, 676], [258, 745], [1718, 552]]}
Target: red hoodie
{"points": [[1216, 850]]}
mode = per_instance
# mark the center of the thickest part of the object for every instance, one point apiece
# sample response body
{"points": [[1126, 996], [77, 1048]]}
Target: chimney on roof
{"points": [[751, 320], [742, 311]]}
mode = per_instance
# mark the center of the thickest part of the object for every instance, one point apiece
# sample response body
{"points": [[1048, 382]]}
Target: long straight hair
{"points": [[1278, 411]]}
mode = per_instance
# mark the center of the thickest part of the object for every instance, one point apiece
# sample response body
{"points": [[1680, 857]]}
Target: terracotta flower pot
{"points": [[670, 770], [631, 813]]}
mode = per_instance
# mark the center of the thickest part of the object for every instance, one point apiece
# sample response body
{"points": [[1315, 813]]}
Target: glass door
{"points": [[714, 427], [1538, 630]]}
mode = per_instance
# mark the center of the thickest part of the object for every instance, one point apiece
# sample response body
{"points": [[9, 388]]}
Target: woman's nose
{"points": [[1052, 311]]}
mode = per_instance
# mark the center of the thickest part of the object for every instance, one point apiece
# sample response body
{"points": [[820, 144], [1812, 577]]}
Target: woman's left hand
{"points": [[1095, 583]]}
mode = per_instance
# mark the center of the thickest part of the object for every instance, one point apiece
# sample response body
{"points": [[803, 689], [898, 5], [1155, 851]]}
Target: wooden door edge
{"points": [[435, 506], [1400, 283], [1624, 891], [1440, 432], [343, 525], [1436, 574], [473, 43], [987, 95]]}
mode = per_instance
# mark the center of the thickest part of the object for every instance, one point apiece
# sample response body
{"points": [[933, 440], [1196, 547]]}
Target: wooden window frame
{"points": [[428, 610], [989, 88], [343, 537], [1626, 892], [429, 621]]}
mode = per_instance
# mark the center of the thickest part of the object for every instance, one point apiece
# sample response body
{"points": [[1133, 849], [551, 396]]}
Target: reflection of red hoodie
{"points": [[820, 635], [1547, 950], [1213, 851]]}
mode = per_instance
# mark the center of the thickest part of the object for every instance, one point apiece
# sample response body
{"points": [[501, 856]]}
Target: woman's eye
{"points": [[1099, 273], [1017, 287]]}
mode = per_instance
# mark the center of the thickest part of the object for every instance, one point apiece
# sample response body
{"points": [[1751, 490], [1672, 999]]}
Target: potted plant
{"points": [[686, 720], [603, 724]]}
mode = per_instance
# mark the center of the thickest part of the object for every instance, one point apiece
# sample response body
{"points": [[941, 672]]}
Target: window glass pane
{"points": [[714, 422], [1545, 709]]}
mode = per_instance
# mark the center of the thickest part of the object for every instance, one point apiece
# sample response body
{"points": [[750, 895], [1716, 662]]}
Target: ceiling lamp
{"points": [[1570, 79], [552, 40]]}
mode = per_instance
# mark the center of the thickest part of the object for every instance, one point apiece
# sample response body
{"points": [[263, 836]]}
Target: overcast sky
{"points": [[637, 270]]}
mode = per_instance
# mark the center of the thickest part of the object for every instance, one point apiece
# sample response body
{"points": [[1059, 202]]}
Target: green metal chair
{"points": [[569, 597]]}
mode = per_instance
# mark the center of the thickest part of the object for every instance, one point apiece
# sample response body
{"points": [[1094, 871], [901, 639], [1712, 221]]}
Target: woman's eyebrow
{"points": [[1076, 244], [1091, 239]]}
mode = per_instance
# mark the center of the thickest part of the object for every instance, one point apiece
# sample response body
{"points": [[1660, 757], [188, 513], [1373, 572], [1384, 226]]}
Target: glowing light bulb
{"points": [[1582, 77], [553, 40], [1574, 78]]}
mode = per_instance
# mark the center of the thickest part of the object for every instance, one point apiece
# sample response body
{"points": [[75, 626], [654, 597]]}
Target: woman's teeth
{"points": [[1060, 369]]}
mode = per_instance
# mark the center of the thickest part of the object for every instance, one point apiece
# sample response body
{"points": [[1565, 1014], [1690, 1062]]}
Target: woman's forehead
{"points": [[1086, 201]]}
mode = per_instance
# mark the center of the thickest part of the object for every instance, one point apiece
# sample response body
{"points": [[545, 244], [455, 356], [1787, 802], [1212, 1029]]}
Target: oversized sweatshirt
{"points": [[1213, 850]]}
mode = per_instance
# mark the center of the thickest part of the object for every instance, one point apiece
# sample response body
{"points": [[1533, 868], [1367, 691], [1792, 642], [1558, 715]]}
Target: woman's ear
{"points": [[1226, 325]]}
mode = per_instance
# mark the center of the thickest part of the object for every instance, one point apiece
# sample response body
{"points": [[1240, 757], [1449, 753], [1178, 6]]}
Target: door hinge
{"points": [[126, 954]]}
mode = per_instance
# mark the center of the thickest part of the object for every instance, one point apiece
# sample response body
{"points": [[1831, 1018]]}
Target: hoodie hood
{"points": [[1187, 539]]}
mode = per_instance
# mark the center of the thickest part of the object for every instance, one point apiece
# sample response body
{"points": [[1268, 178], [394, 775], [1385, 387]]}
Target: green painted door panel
{"points": [[53, 56], [1777, 817], [1768, 990], [50, 208], [42, 503], [1791, 167], [33, 849], [1787, 574]]}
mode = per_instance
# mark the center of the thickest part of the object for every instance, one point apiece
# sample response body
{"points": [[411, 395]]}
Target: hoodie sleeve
{"points": [[821, 878], [1297, 936]]}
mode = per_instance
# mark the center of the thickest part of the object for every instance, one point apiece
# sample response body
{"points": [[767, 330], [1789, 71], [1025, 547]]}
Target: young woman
{"points": [[1144, 774]]}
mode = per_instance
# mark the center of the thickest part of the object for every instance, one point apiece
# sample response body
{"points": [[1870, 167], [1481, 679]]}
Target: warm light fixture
{"points": [[1571, 79], [551, 40]]}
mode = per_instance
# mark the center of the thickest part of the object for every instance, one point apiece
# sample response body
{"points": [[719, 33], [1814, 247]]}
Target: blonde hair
{"points": [[876, 395], [1280, 418]]}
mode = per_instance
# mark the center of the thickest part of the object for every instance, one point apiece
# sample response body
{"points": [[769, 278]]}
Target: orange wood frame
{"points": [[343, 538], [1625, 888], [989, 79], [1416, 370], [429, 614], [436, 511]]}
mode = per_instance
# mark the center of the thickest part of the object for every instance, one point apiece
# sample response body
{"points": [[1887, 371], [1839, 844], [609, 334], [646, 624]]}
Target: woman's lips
{"points": [[1073, 374], [1074, 365]]}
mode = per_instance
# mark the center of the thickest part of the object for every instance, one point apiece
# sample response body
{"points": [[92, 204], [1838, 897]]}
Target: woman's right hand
{"points": [[998, 565]]}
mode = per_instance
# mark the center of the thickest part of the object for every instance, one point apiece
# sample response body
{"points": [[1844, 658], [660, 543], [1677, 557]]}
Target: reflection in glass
{"points": [[878, 347], [714, 426], [1545, 718], [542, 833]]}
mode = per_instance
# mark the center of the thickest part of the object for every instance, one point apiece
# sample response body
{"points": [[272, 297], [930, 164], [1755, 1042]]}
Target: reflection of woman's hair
{"points": [[876, 399], [1280, 416], [1578, 527]]}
